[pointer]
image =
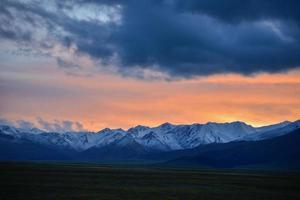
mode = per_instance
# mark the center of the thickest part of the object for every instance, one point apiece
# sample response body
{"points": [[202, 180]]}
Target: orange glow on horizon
{"points": [[106, 100]]}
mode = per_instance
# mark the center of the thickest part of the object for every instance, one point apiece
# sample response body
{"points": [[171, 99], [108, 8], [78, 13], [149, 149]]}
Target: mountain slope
{"points": [[273, 131], [125, 148], [279, 152], [19, 149]]}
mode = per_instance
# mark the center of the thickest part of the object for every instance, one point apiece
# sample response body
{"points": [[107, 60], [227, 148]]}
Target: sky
{"points": [[91, 64]]}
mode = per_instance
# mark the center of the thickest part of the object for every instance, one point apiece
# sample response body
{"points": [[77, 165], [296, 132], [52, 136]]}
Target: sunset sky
{"points": [[94, 64]]}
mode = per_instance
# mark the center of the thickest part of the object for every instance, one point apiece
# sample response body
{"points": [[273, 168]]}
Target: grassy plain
{"points": [[91, 181]]}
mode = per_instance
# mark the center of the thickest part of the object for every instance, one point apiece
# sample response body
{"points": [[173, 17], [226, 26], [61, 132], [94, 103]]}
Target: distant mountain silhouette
{"points": [[225, 145]]}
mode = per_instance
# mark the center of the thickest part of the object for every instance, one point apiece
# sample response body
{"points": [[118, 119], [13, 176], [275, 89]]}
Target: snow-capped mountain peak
{"points": [[166, 125], [164, 137]]}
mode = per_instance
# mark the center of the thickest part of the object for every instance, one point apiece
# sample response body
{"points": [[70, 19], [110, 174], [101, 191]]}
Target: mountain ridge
{"points": [[278, 152], [213, 145], [165, 137]]}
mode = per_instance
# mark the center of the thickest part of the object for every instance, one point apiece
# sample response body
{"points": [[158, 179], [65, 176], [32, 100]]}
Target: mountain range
{"points": [[234, 144]]}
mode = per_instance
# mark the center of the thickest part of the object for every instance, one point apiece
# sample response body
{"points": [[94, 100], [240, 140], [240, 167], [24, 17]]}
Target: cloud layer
{"points": [[49, 126], [179, 38]]}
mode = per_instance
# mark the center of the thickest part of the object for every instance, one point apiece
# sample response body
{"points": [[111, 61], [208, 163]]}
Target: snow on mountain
{"points": [[81, 140], [224, 132], [107, 136], [164, 137], [139, 131], [152, 141], [273, 126], [273, 131], [189, 136]]}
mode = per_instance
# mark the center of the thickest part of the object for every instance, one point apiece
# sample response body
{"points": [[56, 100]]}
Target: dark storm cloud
{"points": [[9, 30], [181, 38], [241, 10]]}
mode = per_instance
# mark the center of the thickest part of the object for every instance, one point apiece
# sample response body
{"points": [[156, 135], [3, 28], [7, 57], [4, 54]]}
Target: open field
{"points": [[65, 181]]}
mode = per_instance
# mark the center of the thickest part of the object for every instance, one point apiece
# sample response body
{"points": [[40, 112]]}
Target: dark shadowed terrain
{"points": [[71, 181]]}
